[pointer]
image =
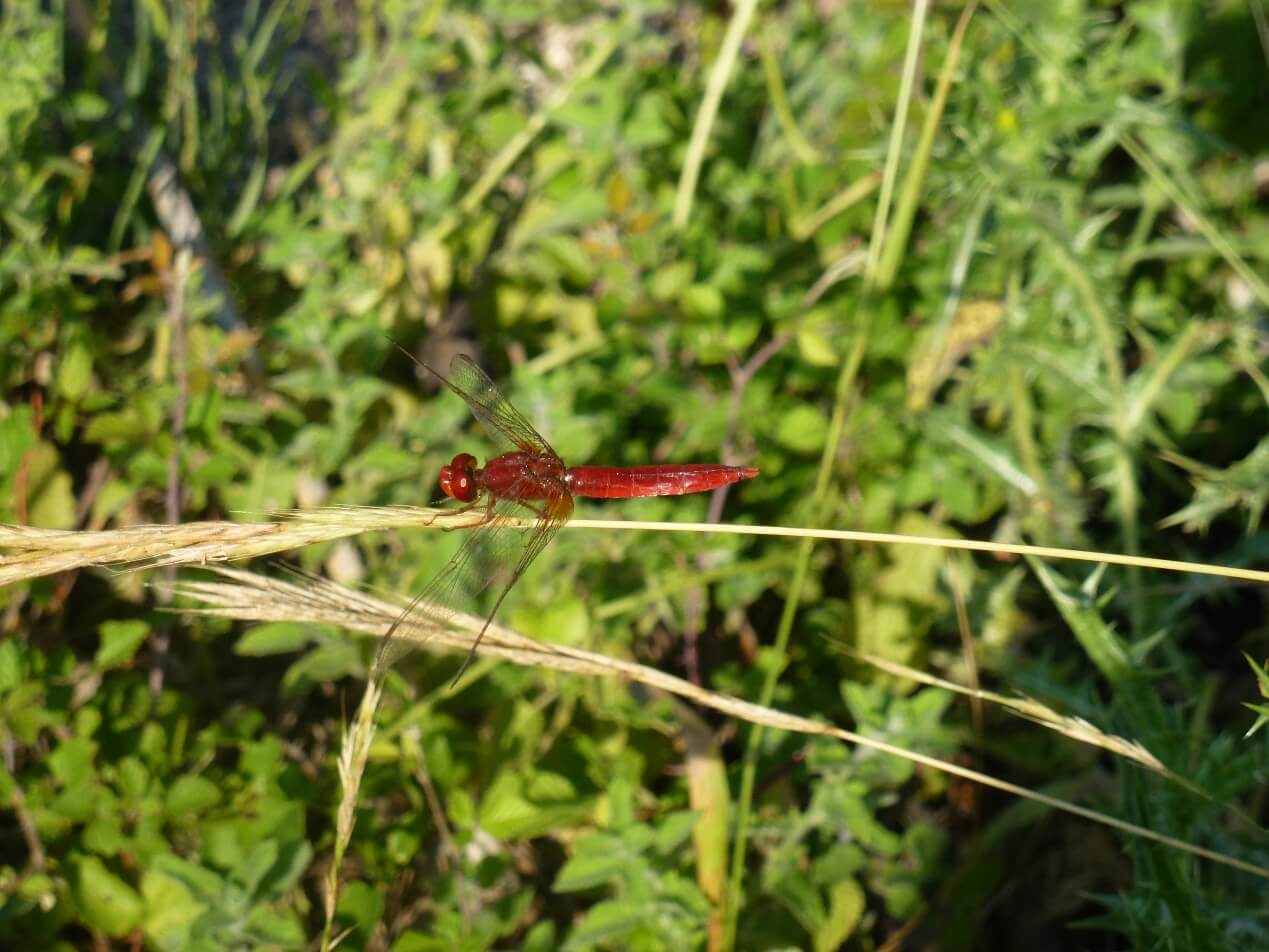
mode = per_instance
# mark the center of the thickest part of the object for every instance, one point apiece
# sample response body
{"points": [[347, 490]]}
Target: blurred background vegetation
{"points": [[1060, 338]]}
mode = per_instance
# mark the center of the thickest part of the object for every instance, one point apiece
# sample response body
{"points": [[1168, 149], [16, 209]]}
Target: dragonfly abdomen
{"points": [[671, 479]]}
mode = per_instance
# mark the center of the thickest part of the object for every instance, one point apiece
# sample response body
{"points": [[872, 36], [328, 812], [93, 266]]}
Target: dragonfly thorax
{"points": [[524, 476], [459, 479]]}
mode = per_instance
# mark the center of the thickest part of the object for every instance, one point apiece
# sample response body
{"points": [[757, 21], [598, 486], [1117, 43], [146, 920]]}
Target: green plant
{"points": [[1003, 281]]}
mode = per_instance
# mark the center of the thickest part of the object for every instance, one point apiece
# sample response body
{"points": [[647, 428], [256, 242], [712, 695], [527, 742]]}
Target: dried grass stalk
{"points": [[27, 553], [1075, 728], [247, 596]]}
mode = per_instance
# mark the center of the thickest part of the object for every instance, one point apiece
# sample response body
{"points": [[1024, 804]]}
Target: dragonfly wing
{"points": [[504, 423], [438, 601], [495, 412], [493, 555], [555, 512]]}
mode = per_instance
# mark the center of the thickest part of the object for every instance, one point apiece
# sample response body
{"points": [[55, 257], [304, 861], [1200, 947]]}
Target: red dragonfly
{"points": [[527, 478]]}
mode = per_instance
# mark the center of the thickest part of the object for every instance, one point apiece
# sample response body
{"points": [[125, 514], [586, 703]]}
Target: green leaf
{"points": [[291, 860], [1262, 717], [269, 929], [361, 903], [262, 759], [106, 902], [671, 280], [17, 435], [859, 818], [802, 429], [11, 667], [1079, 610], [74, 372], [569, 257], [272, 487], [506, 813], [802, 899], [40, 889], [133, 778], [462, 809], [72, 762], [599, 859], [702, 302], [563, 622], [104, 835], [327, 663], [815, 347], [117, 430], [540, 938], [89, 107], [189, 795], [202, 883], [253, 868], [673, 829], [989, 453], [170, 909], [605, 922], [278, 637], [846, 902], [645, 127], [50, 500], [510, 810], [402, 846], [1262, 682], [1243, 485], [119, 642], [741, 332]]}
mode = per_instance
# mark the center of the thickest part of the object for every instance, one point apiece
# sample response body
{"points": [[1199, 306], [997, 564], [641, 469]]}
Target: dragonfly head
{"points": [[458, 479]]}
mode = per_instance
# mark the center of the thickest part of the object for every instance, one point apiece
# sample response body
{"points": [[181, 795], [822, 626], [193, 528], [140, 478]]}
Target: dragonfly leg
{"points": [[486, 518], [538, 511], [466, 507]]}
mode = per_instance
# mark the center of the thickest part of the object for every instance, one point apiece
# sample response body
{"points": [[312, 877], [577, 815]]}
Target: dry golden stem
{"points": [[246, 596], [27, 553]]}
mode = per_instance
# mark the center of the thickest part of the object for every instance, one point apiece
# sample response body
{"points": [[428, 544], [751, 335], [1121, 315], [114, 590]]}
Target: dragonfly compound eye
{"points": [[458, 479]]}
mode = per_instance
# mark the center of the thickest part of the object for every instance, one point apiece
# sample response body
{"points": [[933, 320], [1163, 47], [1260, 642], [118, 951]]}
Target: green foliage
{"points": [[1069, 351], [125, 787], [1262, 710], [653, 903]]}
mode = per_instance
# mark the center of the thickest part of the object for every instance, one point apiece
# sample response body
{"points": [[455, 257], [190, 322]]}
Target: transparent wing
{"points": [[494, 554], [503, 421]]}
